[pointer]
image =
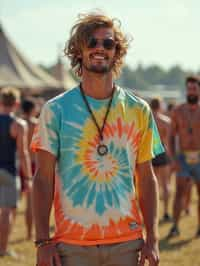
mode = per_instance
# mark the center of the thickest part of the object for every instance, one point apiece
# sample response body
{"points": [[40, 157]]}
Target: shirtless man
{"points": [[28, 107], [186, 125], [187, 200], [13, 137], [161, 162]]}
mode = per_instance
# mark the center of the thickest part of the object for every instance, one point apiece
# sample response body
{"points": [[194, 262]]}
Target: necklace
{"points": [[102, 149], [190, 115]]}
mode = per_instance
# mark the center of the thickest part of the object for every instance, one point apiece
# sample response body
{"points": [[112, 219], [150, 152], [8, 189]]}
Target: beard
{"points": [[192, 99], [98, 69]]}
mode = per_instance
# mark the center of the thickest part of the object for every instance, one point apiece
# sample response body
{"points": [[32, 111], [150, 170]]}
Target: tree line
{"points": [[143, 78]]}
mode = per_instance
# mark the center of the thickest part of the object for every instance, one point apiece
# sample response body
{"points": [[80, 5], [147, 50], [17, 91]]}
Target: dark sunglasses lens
{"points": [[92, 43], [109, 44]]}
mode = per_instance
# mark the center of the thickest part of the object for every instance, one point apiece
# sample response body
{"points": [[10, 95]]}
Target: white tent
{"points": [[16, 70], [62, 73]]}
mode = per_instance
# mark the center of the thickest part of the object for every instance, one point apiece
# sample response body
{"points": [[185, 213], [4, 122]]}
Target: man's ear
{"points": [[116, 56], [17, 105], [79, 56]]}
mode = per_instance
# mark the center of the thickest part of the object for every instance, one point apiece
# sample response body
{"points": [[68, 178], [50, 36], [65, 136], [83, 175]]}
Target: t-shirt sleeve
{"points": [[46, 133], [150, 144]]}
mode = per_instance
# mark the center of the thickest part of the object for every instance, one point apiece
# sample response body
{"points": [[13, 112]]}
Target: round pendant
{"points": [[102, 149]]}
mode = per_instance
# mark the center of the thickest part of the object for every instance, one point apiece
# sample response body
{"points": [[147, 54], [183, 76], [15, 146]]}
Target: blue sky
{"points": [[164, 32]]}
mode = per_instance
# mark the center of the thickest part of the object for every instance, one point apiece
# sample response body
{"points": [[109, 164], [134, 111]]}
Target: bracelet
{"points": [[28, 178], [42, 242]]}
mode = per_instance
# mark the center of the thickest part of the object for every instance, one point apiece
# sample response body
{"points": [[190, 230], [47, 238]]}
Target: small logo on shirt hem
{"points": [[133, 225]]}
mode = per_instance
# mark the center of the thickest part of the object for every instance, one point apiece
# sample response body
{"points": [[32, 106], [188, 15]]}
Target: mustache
{"points": [[192, 99], [98, 54]]}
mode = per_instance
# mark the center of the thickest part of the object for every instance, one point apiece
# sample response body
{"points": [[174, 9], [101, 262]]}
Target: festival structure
{"points": [[17, 71]]}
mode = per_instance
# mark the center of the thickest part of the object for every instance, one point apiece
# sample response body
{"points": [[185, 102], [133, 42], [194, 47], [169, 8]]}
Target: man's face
{"points": [[33, 112], [192, 92], [99, 54]]}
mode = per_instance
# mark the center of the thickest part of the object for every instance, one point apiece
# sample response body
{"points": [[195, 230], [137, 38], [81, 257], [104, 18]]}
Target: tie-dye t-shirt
{"points": [[95, 199]]}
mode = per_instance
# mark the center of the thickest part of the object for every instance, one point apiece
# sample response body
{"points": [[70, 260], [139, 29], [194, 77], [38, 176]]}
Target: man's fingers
{"points": [[56, 259], [142, 260], [153, 261]]}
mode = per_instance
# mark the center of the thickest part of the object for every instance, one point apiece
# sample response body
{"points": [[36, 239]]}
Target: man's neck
{"points": [[97, 86], [6, 111], [155, 111], [26, 116], [193, 107]]}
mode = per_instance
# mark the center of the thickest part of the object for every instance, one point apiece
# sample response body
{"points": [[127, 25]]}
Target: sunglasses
{"points": [[108, 43]]}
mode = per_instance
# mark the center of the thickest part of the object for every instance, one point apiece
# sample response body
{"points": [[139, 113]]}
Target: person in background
{"points": [[170, 107], [40, 101], [28, 107], [161, 162], [95, 136], [13, 137], [187, 197], [186, 125]]}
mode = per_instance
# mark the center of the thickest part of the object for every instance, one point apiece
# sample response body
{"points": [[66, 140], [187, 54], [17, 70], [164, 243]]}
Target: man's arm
{"points": [[149, 201], [172, 135], [43, 192], [172, 142], [22, 148]]}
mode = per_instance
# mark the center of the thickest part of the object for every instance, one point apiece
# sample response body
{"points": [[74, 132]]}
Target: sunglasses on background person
{"points": [[107, 43]]}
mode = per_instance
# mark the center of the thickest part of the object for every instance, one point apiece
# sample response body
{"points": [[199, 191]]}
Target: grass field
{"points": [[180, 251]]}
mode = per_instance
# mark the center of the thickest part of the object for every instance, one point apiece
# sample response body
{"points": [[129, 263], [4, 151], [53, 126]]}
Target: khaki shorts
{"points": [[8, 190], [121, 254]]}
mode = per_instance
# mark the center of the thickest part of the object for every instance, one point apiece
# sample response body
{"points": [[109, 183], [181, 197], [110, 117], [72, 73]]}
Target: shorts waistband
{"points": [[191, 156], [190, 152]]}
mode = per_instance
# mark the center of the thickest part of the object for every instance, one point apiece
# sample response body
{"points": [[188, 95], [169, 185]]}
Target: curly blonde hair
{"points": [[82, 31]]}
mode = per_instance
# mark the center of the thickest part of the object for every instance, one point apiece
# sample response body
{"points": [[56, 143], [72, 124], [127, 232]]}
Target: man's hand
{"points": [[28, 184], [175, 166], [47, 255], [150, 252]]}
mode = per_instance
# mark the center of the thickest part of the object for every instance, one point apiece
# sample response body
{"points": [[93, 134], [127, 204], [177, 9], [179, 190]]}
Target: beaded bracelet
{"points": [[42, 242]]}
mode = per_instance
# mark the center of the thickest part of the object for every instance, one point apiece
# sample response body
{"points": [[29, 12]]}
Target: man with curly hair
{"points": [[95, 136]]}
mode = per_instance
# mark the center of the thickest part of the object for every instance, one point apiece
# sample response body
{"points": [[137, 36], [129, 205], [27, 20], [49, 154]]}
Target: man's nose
{"points": [[100, 44]]}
